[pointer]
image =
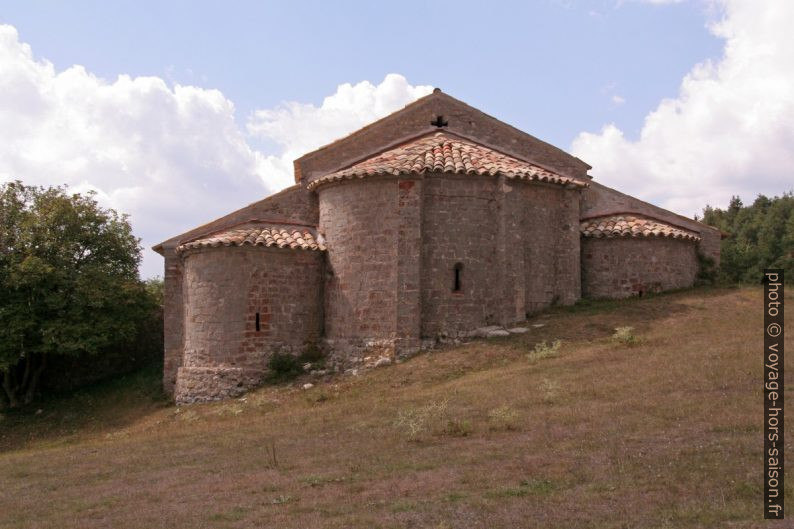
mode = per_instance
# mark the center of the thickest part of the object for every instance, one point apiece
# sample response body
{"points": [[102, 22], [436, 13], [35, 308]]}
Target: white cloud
{"points": [[171, 157], [300, 127], [729, 131], [617, 100]]}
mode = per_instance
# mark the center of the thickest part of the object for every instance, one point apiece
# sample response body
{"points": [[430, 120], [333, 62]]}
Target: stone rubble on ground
{"points": [[382, 361], [495, 331], [482, 332]]}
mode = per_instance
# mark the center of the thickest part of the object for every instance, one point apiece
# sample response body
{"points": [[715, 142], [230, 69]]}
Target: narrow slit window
{"points": [[457, 286], [257, 321]]}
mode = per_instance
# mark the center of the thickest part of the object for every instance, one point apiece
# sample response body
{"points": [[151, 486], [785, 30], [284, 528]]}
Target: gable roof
{"points": [[419, 118], [444, 152], [632, 225], [266, 236], [293, 206]]}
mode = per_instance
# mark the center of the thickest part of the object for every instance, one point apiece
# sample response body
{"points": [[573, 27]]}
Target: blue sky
{"points": [[549, 67], [177, 112]]}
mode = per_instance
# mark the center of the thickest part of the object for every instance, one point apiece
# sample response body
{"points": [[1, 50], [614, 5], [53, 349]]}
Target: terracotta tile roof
{"points": [[446, 153], [629, 225], [267, 236]]}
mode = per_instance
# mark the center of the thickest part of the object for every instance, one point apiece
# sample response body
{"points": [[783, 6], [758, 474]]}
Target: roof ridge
{"points": [[230, 227], [446, 152], [633, 224], [640, 214], [370, 125], [261, 235]]}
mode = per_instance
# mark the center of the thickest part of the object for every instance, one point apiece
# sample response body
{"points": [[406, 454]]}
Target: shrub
{"points": [[416, 422], [458, 428], [707, 270], [625, 336], [503, 418], [543, 350], [284, 366], [550, 390]]}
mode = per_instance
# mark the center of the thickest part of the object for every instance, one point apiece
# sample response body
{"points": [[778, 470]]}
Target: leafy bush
{"points": [[707, 273], [284, 366], [69, 283], [543, 350], [759, 236]]}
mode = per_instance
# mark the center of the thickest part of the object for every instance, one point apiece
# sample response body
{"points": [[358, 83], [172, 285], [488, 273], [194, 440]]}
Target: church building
{"points": [[428, 224]]}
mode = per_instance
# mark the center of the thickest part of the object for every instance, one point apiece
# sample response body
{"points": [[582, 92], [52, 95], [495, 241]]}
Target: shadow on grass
{"points": [[595, 319], [96, 408], [113, 404], [605, 306]]}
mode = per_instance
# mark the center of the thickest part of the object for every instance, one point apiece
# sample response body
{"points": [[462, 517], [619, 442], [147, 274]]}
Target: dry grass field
{"points": [[661, 433]]}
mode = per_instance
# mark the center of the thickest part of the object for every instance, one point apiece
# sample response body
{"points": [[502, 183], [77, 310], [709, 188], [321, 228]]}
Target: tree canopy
{"points": [[69, 281], [758, 236]]}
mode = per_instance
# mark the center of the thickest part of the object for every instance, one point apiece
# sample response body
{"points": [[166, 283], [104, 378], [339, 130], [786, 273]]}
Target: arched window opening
{"points": [[257, 321], [457, 286]]}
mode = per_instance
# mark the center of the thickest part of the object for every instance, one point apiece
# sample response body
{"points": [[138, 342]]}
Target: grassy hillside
{"points": [[664, 433]]}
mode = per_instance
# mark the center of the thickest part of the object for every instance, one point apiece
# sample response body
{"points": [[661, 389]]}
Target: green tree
{"points": [[759, 236], [68, 282]]}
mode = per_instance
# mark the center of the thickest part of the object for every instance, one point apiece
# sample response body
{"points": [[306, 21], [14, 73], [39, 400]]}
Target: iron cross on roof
{"points": [[439, 122]]}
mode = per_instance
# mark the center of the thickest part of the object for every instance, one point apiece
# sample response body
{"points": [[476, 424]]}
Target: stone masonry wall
{"points": [[173, 319], [294, 204], [624, 267], [517, 242], [602, 200], [460, 226], [360, 221], [409, 264], [225, 288], [394, 243], [550, 224]]}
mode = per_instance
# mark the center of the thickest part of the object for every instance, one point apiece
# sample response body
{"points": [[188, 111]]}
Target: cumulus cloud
{"points": [[729, 131], [300, 127], [172, 157]]}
